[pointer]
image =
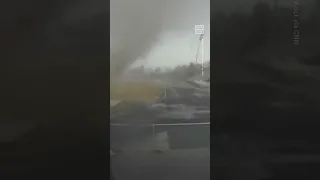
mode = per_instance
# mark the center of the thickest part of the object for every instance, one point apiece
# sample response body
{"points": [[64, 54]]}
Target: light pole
{"points": [[199, 30]]}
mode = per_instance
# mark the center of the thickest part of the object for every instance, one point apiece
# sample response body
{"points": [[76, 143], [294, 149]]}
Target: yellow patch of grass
{"points": [[135, 92]]}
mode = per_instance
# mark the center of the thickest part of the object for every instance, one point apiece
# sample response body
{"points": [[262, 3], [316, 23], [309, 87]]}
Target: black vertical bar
{"points": [[54, 72]]}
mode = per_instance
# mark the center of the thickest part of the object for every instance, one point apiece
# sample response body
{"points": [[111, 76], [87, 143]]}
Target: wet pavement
{"points": [[180, 105], [171, 149], [177, 105]]}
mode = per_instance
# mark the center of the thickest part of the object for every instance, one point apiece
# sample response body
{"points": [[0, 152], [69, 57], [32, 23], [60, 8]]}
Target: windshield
{"points": [[160, 108]]}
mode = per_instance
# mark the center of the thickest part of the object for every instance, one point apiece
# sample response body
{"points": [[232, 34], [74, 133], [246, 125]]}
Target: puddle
{"points": [[157, 105], [199, 95]]}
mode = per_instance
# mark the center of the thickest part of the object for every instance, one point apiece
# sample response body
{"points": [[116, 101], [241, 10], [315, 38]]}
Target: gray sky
{"points": [[158, 33], [178, 47]]}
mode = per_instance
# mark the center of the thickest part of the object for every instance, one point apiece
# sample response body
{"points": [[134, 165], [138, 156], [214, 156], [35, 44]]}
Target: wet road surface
{"points": [[170, 149]]}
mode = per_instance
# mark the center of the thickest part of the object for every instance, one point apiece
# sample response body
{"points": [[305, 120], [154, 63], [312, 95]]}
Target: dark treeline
{"points": [[178, 73]]}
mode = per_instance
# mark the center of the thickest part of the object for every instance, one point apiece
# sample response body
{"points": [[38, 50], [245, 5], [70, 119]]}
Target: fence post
{"points": [[153, 133]]}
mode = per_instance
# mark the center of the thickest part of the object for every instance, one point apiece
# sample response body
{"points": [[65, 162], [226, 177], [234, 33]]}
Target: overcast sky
{"points": [[180, 46], [165, 34]]}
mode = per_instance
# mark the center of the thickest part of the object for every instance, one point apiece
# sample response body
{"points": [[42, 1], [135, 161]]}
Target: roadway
{"points": [[177, 105], [183, 149], [181, 104]]}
